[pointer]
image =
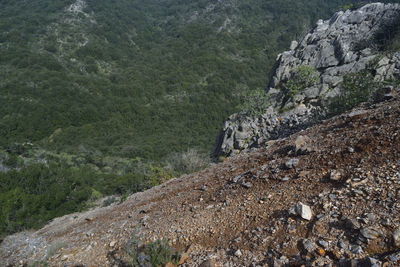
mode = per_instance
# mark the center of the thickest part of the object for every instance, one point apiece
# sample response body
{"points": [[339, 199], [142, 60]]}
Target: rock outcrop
{"points": [[349, 42]]}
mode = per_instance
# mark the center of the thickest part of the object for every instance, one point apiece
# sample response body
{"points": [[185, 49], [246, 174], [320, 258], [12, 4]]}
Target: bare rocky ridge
{"points": [[346, 43], [328, 194]]}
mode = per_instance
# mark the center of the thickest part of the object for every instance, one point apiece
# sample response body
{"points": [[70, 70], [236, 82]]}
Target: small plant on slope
{"points": [[301, 78], [157, 253], [355, 89], [255, 102]]}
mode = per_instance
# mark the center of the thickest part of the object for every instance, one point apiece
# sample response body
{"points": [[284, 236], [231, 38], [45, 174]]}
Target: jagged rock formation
{"points": [[347, 43]]}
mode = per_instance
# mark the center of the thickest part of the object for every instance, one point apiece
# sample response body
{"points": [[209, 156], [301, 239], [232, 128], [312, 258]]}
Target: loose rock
{"points": [[396, 237], [302, 210], [292, 163], [238, 253]]}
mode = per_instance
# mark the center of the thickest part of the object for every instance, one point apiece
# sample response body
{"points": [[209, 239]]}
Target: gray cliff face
{"points": [[346, 43]]}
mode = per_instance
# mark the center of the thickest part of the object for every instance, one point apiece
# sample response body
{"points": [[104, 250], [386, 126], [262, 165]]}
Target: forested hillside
{"points": [[137, 78], [110, 97]]}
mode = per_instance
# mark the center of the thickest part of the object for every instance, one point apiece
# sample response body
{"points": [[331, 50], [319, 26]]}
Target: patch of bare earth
{"points": [[237, 213]]}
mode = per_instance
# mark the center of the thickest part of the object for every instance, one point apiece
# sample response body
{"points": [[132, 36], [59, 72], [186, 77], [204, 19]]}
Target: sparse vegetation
{"points": [[301, 78], [54, 248], [255, 102], [187, 162], [108, 201], [355, 89], [157, 253]]}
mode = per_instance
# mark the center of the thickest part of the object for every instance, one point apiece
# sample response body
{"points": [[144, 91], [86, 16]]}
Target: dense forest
{"points": [[103, 97]]}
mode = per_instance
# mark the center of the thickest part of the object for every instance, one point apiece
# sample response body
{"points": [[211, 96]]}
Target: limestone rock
{"points": [[238, 253], [302, 144], [293, 45], [308, 245], [301, 210], [396, 237], [333, 48], [335, 175], [292, 163]]}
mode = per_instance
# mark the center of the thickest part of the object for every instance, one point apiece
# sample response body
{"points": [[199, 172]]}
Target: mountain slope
{"points": [[347, 174], [220, 211], [113, 97], [130, 77]]}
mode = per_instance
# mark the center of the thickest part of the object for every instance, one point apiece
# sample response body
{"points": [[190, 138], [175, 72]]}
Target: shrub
{"points": [[187, 162], [108, 201], [123, 197], [157, 253], [301, 78], [355, 89], [255, 102], [157, 175], [95, 195]]}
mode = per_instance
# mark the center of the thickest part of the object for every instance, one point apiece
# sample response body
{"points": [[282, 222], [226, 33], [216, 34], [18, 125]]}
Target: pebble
{"points": [[352, 224], [292, 163], [341, 245], [396, 237], [238, 253], [302, 144], [247, 185], [308, 245], [335, 175], [323, 243], [356, 249], [236, 179], [208, 263], [370, 232], [303, 211]]}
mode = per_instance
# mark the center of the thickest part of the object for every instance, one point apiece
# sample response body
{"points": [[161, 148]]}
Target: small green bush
{"points": [[353, 6], [255, 102], [123, 197], [301, 78], [355, 89], [108, 201], [157, 253]]}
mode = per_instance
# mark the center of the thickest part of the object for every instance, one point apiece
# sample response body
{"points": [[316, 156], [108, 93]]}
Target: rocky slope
{"points": [[349, 42], [328, 194]]}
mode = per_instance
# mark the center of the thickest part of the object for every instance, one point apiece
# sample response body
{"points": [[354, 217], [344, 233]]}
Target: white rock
{"points": [[396, 238], [293, 45], [238, 253], [304, 211], [335, 175]]}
